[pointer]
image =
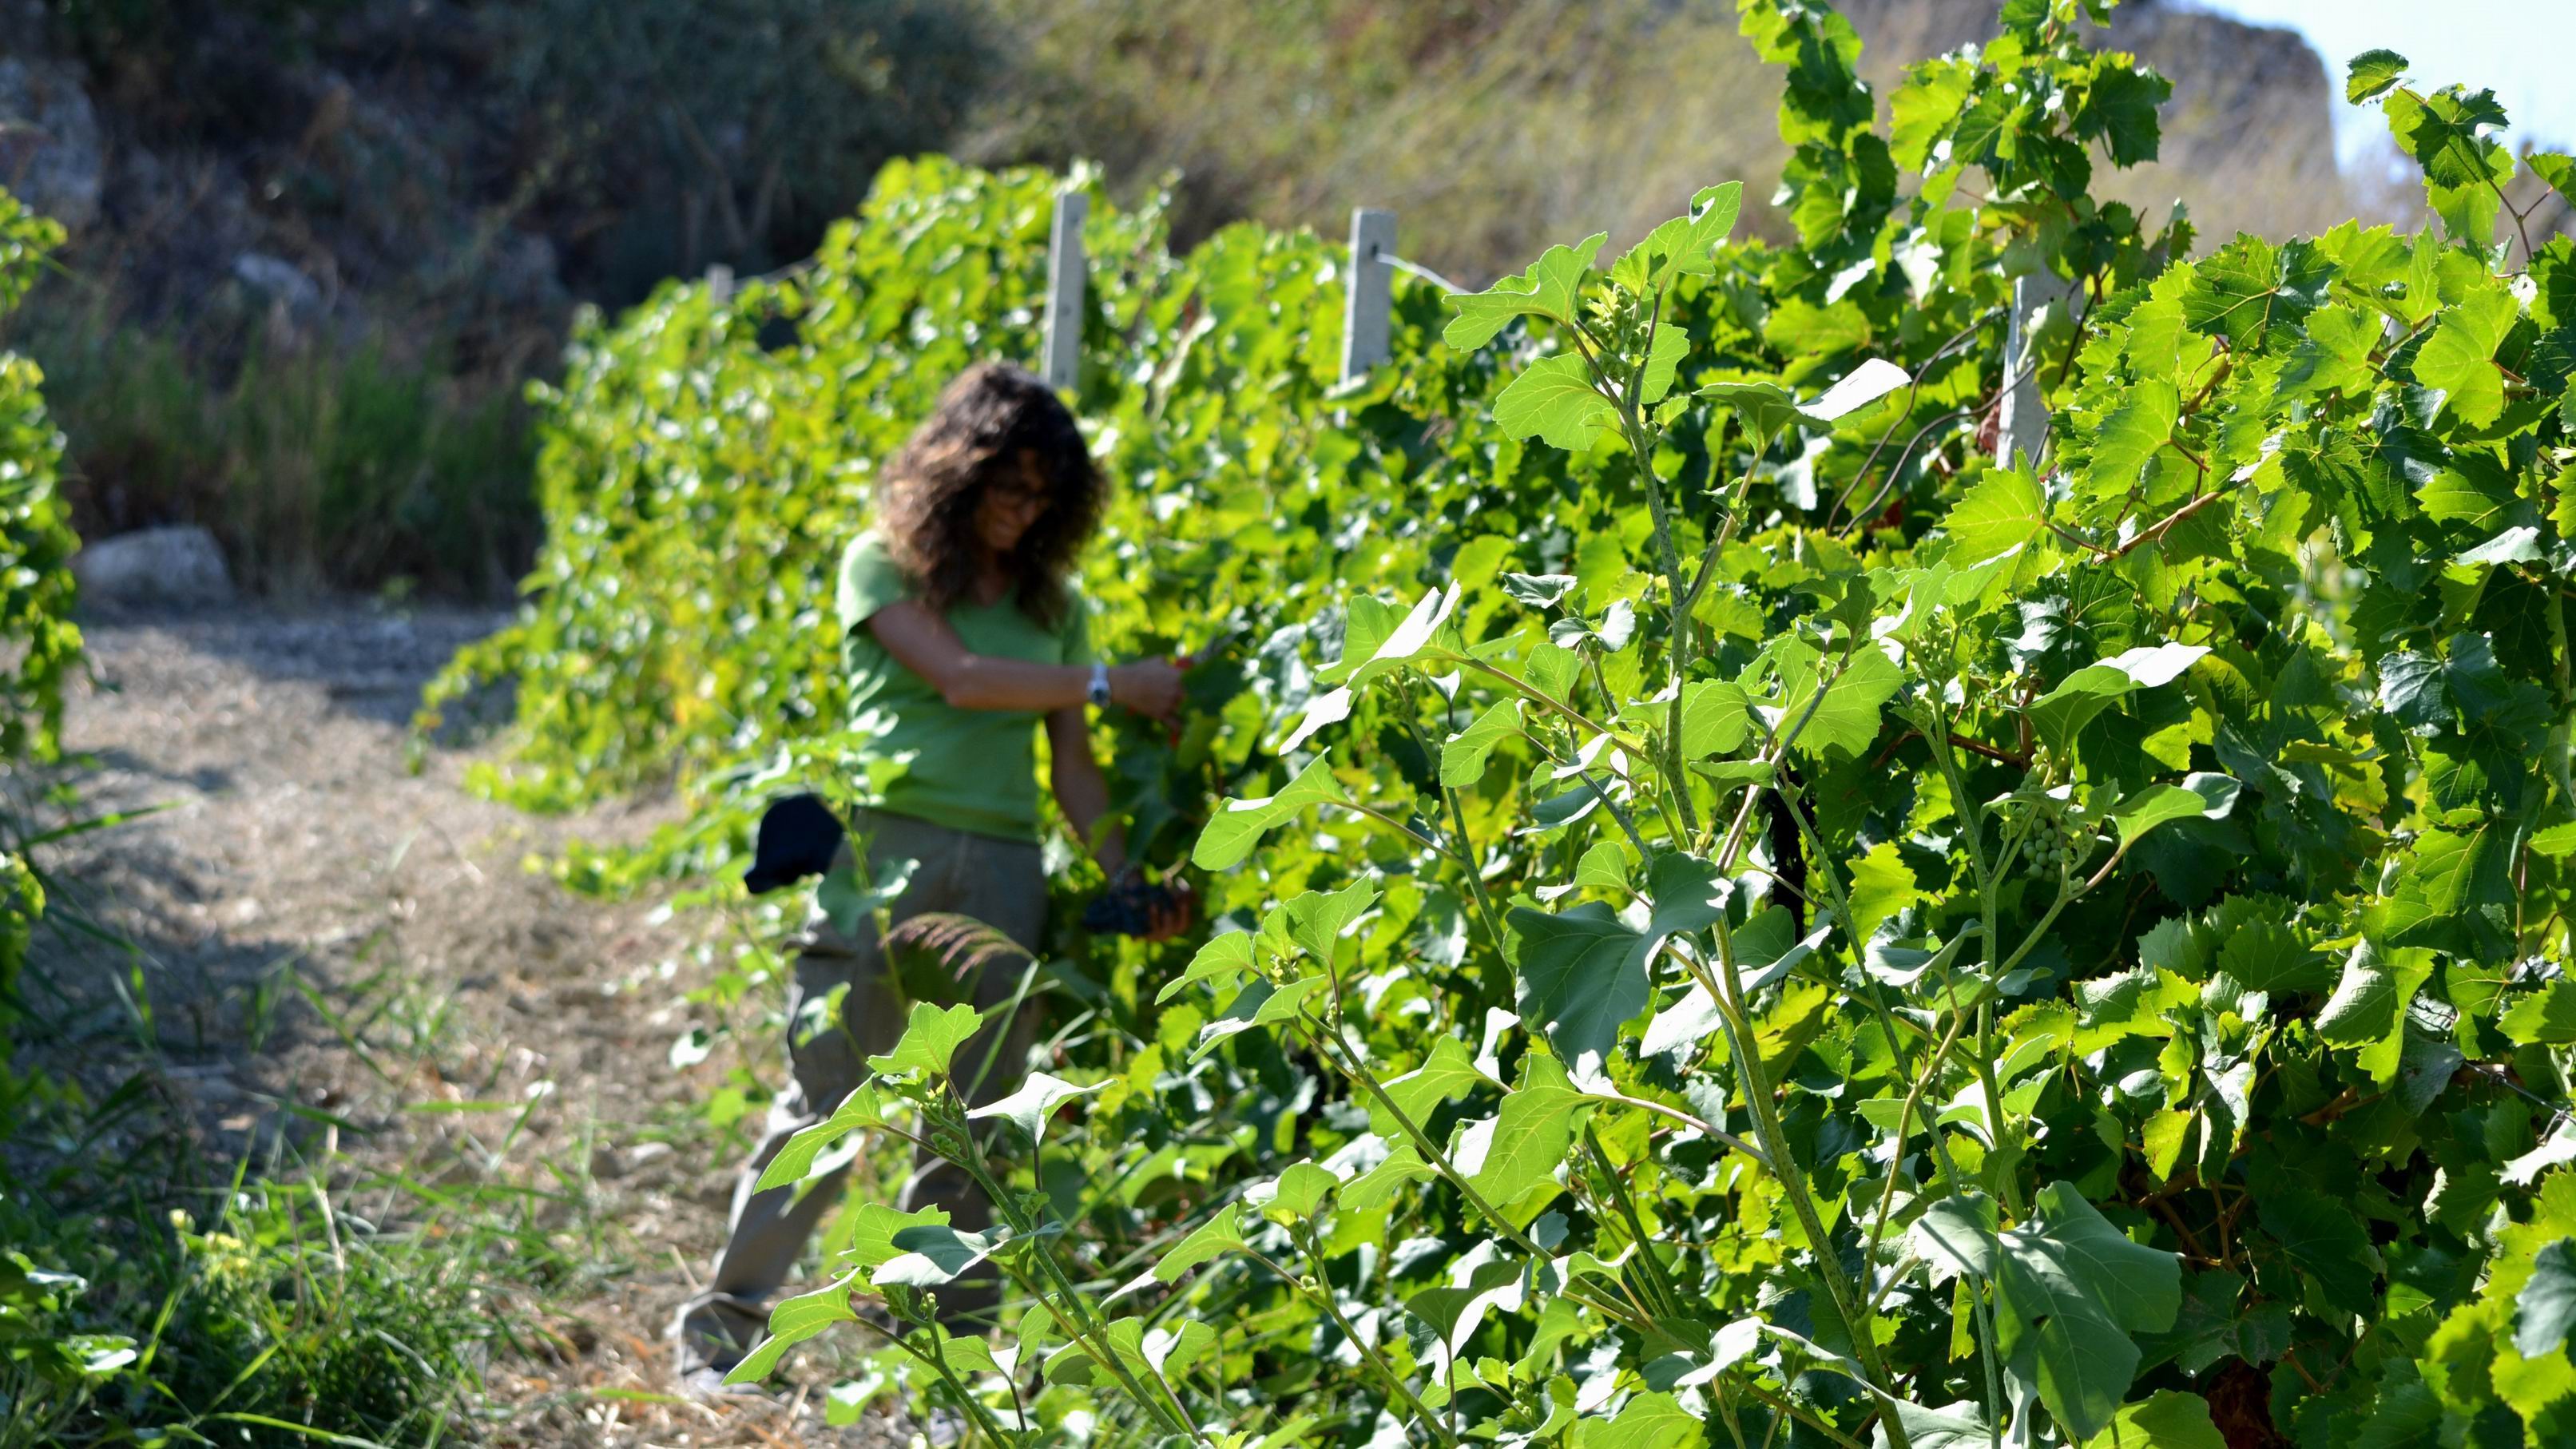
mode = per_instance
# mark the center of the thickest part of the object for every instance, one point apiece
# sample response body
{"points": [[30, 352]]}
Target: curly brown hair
{"points": [[928, 493]]}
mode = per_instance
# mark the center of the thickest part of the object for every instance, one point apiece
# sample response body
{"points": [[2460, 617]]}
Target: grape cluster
{"points": [[1127, 908], [2057, 842]]}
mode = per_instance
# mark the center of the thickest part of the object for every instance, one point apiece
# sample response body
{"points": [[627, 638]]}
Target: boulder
{"points": [[179, 565], [51, 154]]}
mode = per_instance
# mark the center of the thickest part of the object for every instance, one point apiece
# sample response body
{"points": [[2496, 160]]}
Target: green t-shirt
{"points": [[967, 769]]}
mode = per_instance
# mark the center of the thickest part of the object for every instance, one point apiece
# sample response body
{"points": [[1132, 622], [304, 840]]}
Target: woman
{"points": [[961, 631]]}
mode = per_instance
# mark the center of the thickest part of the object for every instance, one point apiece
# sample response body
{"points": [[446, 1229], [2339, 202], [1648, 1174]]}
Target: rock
{"points": [[51, 154], [283, 283], [179, 565]]}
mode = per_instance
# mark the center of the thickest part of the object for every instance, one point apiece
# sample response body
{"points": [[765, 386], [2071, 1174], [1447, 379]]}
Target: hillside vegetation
{"points": [[318, 245]]}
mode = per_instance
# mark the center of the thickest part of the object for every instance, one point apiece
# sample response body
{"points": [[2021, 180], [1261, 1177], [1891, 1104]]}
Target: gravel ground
{"points": [[319, 928]]}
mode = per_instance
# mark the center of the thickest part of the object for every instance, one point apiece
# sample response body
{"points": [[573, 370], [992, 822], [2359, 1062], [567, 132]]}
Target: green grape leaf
{"points": [[2001, 511], [794, 1161], [2458, 360], [2545, 1017], [930, 1040], [2120, 108], [2326, 1239], [2199, 796], [1551, 288], [873, 1227], [2129, 438], [1233, 831], [2557, 171], [2370, 73], [2545, 1310], [1846, 721], [1035, 1101], [1764, 409], [2368, 1008]]}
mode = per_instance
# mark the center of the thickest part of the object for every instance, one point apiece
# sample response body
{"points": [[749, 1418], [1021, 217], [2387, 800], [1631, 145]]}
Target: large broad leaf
{"points": [[1584, 972], [1554, 400], [930, 1041], [1259, 1003], [792, 1322], [1846, 720], [1317, 919], [1551, 288], [1222, 1233], [1582, 975], [1227, 956], [795, 1160], [1649, 1421], [1463, 755], [1450, 1072], [1766, 409], [1236, 828], [935, 1253], [2169, 1419], [1954, 1426], [1516, 1151], [2075, 1294], [2199, 796], [2368, 1008], [1035, 1102], [2061, 714], [1685, 246], [2546, 1017]]}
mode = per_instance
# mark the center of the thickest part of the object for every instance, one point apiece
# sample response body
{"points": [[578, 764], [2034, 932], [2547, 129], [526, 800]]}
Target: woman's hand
{"points": [[1151, 687], [1173, 916]]}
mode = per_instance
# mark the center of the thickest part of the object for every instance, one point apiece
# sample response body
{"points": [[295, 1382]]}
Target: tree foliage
{"points": [[1738, 919]]}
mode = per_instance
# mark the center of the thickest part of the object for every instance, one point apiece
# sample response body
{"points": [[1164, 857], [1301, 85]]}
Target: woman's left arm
{"points": [[1083, 793]]}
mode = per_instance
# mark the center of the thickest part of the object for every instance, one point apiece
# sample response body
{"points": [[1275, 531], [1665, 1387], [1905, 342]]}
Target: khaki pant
{"points": [[1001, 883]]}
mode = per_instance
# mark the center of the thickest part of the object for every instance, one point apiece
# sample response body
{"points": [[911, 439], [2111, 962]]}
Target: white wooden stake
{"points": [[1063, 363], [720, 283], [1372, 292], [2022, 430]]}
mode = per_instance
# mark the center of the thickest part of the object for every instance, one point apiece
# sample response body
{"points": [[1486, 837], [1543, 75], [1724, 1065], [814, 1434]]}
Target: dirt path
{"points": [[324, 938]]}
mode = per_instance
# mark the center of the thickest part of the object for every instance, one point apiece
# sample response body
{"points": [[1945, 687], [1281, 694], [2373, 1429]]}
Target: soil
{"points": [[336, 959]]}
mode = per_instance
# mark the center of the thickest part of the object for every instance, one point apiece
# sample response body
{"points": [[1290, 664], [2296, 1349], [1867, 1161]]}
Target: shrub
{"points": [[1779, 928]]}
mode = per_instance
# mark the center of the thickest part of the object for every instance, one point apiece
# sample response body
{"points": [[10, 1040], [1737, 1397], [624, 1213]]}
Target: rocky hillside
{"points": [[259, 190]]}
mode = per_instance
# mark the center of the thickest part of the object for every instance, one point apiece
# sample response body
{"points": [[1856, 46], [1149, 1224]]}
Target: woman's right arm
{"points": [[922, 642]]}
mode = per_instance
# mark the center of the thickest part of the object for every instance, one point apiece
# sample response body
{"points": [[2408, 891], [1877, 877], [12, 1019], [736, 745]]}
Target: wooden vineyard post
{"points": [[1365, 315], [1062, 366], [2022, 428]]}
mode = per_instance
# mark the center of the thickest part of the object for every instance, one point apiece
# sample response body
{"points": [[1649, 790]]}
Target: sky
{"points": [[2517, 47]]}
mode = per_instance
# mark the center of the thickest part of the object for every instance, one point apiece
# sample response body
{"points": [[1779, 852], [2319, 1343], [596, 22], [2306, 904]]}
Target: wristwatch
{"points": [[1098, 693]]}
